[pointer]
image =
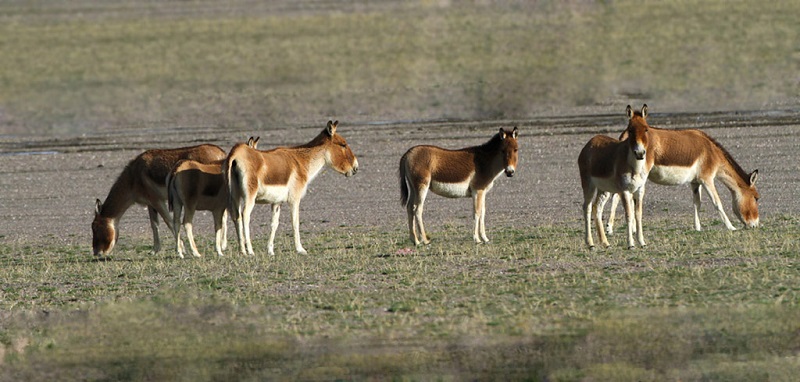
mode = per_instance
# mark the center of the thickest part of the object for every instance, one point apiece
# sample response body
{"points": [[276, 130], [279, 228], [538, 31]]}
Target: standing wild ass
{"points": [[281, 175], [193, 186], [608, 165], [460, 173], [143, 181], [691, 156]]}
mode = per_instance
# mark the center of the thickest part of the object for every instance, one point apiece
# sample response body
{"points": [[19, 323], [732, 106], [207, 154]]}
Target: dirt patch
{"points": [[49, 185]]}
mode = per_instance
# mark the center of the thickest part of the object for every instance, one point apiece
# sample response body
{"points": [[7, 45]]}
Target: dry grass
{"points": [[534, 303]]}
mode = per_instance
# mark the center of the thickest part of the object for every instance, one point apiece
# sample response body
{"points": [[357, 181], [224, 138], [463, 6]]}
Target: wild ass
{"points": [[460, 173], [143, 181], [691, 156], [281, 175], [193, 186], [608, 165]]}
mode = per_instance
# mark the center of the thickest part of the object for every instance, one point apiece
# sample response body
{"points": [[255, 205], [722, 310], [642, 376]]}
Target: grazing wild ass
{"points": [[143, 181], [691, 156], [193, 186], [460, 173], [281, 175], [608, 165]]}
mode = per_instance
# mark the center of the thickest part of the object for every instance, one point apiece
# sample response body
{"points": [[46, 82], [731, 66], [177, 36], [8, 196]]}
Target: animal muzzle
{"points": [[510, 171], [353, 170], [751, 224], [640, 154]]}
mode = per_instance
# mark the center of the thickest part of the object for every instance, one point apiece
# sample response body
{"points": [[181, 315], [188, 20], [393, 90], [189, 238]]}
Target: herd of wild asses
{"points": [[174, 183]]}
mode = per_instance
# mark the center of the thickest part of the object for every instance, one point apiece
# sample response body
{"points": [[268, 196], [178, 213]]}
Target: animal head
{"points": [[508, 146], [637, 131], [104, 232], [338, 154], [745, 205]]}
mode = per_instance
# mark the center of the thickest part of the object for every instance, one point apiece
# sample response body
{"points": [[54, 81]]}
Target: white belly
{"points": [[673, 175], [272, 194], [451, 190]]}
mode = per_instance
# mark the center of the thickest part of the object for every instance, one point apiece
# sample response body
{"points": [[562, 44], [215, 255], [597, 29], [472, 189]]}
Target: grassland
{"points": [[100, 81], [534, 304], [88, 66]]}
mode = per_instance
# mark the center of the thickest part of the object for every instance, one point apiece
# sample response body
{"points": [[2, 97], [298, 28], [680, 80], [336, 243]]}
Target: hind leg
{"points": [[154, 226], [423, 237], [697, 193], [276, 214], [246, 213], [188, 217], [612, 212], [639, 201], [177, 209], [588, 196], [219, 230]]}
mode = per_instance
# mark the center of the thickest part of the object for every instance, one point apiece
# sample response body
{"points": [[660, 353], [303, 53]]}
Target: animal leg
{"points": [[712, 192], [411, 209], [421, 195], [224, 222], [602, 199], [177, 209], [599, 200], [627, 203], [588, 195], [296, 228], [276, 213], [219, 230], [246, 213], [188, 217], [479, 233], [639, 201], [154, 225], [483, 218], [697, 192]]}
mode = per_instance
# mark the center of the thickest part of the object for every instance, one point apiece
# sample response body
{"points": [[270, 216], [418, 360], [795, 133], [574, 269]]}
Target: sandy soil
{"points": [[48, 185]]}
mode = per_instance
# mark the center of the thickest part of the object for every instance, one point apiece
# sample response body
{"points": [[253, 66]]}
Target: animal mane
{"points": [[736, 167]]}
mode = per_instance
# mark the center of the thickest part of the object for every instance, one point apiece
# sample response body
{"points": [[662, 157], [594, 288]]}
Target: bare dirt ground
{"points": [[48, 185]]}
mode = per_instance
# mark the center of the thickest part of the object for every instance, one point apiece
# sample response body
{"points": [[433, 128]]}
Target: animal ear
{"points": [[502, 133], [98, 205], [255, 142], [331, 129], [629, 112], [514, 132], [644, 111], [753, 177]]}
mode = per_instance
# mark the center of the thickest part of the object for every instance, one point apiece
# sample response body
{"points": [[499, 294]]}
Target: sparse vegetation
{"points": [[532, 304]]}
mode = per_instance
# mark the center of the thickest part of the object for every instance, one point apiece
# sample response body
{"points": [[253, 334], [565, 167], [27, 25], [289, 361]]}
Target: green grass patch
{"points": [[87, 67], [532, 304]]}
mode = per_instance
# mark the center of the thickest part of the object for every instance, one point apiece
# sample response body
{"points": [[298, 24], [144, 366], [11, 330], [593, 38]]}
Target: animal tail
{"points": [[171, 191], [403, 182], [233, 180]]}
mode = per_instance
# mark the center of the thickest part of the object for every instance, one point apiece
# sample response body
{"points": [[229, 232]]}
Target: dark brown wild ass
{"points": [[468, 172], [143, 181], [193, 186]]}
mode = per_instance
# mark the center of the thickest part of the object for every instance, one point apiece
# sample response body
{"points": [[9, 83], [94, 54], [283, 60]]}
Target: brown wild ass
{"points": [[691, 156], [193, 186], [281, 175], [608, 165], [460, 173], [143, 181]]}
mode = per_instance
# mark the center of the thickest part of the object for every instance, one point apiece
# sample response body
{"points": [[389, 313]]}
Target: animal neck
{"points": [[119, 198]]}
